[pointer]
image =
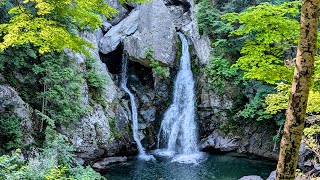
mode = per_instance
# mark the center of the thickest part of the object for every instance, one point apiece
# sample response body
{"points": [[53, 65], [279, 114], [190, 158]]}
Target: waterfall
{"points": [[178, 131], [134, 110]]}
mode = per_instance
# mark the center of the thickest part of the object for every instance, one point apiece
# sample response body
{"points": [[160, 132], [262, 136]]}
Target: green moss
{"points": [[10, 133], [114, 129], [96, 83], [163, 72]]}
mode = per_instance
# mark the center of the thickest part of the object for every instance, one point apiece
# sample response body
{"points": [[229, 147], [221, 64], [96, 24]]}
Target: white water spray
{"points": [[134, 111], [178, 131]]}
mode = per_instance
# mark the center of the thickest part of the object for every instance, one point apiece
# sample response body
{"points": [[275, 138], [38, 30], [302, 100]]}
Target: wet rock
{"points": [[148, 114], [101, 165], [220, 141], [253, 177], [113, 37], [156, 32]]}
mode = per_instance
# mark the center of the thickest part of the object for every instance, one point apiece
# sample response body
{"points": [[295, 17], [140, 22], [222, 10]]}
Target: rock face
{"points": [[113, 37], [10, 100], [218, 140], [156, 32], [103, 132]]}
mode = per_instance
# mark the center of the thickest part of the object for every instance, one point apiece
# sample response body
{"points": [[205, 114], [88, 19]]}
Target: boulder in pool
{"points": [[272, 176], [101, 165], [252, 177]]}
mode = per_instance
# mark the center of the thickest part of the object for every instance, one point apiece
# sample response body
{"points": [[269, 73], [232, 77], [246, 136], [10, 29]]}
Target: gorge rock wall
{"points": [[152, 28], [137, 30]]}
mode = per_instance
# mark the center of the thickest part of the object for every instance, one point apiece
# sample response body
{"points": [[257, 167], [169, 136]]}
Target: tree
{"points": [[52, 25], [296, 112]]}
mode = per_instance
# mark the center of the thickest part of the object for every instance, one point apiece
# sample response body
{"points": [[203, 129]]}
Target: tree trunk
{"points": [[296, 112]]}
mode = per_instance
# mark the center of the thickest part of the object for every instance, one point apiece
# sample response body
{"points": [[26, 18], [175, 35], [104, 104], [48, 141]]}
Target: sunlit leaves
{"points": [[274, 30], [43, 23]]}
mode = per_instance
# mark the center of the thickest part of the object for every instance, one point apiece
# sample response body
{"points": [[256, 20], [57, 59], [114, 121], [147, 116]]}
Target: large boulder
{"points": [[101, 165], [156, 32], [116, 34], [121, 12], [252, 177]]}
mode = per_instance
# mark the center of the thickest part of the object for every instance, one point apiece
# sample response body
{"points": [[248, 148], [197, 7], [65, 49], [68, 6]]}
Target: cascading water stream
{"points": [[178, 131], [134, 110]]}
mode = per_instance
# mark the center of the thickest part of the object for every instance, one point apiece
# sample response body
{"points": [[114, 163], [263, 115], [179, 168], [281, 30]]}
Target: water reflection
{"points": [[220, 167]]}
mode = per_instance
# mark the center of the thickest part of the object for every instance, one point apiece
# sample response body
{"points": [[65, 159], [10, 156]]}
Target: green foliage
{"points": [[209, 21], [46, 24], [163, 72], [96, 82], [11, 167], [57, 161], [255, 109], [219, 72], [5, 6], [85, 173], [278, 102], [62, 81], [57, 173], [10, 133], [262, 55], [229, 126], [114, 129]]}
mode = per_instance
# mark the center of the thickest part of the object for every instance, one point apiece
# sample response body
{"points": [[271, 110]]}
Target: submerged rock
{"points": [[101, 165]]}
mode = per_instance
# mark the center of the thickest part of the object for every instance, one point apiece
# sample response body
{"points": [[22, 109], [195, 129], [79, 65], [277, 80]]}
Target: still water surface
{"points": [[217, 167]]}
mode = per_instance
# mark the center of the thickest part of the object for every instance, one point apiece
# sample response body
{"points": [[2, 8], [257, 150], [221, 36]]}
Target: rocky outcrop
{"points": [[121, 12], [90, 134], [11, 101], [156, 32], [103, 132], [116, 34], [101, 165], [218, 140], [201, 43]]}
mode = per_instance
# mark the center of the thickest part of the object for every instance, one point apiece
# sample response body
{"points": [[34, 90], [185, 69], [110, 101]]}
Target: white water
{"points": [[134, 111], [178, 131]]}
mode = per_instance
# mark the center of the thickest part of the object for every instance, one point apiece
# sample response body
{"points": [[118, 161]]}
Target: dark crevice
{"points": [[186, 5], [140, 74], [113, 60]]}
